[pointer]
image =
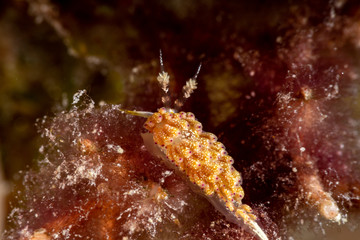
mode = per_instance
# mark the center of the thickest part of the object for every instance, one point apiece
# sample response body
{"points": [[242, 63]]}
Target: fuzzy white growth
{"points": [[189, 87], [163, 80], [191, 84]]}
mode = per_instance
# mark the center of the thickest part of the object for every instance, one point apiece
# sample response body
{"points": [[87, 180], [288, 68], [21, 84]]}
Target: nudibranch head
{"points": [[178, 138]]}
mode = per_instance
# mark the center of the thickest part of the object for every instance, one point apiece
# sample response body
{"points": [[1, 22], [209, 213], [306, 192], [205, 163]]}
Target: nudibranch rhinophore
{"points": [[196, 155]]}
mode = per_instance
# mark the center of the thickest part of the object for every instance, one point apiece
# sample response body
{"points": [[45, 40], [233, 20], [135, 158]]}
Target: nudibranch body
{"points": [[179, 140]]}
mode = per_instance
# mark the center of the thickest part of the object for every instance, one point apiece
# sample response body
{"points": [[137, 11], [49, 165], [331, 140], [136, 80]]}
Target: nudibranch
{"points": [[196, 155]]}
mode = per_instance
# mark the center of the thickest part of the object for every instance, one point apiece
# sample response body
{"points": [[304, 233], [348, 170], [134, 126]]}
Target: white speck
{"points": [[294, 169], [187, 134], [77, 96], [41, 149], [117, 148], [167, 173], [25, 232], [302, 149], [65, 232], [132, 192], [102, 103]]}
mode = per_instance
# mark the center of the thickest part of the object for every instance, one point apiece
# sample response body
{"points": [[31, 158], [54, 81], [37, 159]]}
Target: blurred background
{"points": [[50, 49]]}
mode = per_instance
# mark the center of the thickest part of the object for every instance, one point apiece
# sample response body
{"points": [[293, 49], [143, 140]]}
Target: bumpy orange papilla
{"points": [[200, 156]]}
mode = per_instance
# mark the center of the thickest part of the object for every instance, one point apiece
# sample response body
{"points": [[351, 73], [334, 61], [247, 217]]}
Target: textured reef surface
{"points": [[279, 87], [98, 180]]}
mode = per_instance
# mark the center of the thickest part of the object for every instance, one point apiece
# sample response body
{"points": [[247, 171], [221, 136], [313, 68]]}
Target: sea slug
{"points": [[196, 155]]}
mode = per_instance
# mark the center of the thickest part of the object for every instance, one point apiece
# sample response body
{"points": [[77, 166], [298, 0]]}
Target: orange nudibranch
{"points": [[196, 153], [197, 156], [200, 158]]}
